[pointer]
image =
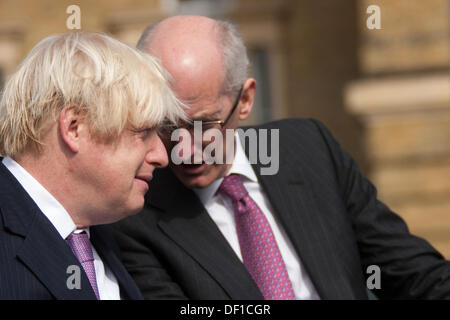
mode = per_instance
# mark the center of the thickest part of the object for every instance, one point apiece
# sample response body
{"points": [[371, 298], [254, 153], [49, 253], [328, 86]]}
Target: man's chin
{"points": [[201, 178], [120, 214], [191, 182]]}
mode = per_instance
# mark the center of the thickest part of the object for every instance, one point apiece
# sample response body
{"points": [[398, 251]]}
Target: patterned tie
{"points": [[81, 247], [260, 252]]}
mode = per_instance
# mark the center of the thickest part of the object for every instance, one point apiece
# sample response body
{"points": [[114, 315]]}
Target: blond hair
{"points": [[113, 84]]}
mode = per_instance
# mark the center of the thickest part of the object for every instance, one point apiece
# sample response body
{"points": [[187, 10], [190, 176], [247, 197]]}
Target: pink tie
{"points": [[81, 247], [260, 252]]}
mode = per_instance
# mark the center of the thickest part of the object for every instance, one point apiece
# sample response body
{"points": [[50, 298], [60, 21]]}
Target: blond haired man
{"points": [[78, 137]]}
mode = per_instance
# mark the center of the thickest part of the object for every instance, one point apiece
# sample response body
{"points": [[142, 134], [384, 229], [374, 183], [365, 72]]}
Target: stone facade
{"points": [[403, 99]]}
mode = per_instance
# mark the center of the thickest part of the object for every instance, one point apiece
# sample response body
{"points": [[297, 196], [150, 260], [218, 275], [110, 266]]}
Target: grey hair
{"points": [[236, 62], [234, 52], [146, 37]]}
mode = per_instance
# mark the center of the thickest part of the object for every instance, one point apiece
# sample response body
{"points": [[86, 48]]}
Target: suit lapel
{"points": [[188, 224], [43, 251], [294, 206], [103, 245], [48, 257]]}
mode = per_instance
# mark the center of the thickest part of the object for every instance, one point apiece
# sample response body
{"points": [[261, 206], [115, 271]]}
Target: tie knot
{"points": [[233, 187], [81, 246]]}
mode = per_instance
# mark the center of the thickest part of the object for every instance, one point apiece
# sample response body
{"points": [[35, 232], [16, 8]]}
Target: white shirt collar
{"points": [[49, 206], [240, 166]]}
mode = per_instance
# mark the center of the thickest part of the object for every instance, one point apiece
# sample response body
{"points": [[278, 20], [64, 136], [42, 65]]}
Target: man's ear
{"points": [[247, 98], [71, 127]]}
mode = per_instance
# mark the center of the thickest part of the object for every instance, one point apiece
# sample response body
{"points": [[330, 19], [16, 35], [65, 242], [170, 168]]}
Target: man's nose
{"points": [[157, 154], [186, 148]]}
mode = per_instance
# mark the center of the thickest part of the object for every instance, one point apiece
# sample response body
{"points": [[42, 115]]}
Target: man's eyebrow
{"points": [[145, 128], [208, 117]]}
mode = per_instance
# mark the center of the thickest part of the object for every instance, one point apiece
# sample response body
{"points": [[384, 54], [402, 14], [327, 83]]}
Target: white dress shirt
{"points": [[221, 211], [107, 284]]}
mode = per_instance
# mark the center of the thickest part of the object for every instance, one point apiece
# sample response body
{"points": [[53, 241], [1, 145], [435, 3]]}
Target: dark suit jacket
{"points": [[330, 212], [34, 258]]}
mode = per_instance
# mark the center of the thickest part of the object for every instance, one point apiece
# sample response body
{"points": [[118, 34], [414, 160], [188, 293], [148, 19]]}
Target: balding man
{"points": [[230, 230]]}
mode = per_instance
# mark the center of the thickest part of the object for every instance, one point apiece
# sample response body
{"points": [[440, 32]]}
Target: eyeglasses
{"points": [[206, 125], [224, 122]]}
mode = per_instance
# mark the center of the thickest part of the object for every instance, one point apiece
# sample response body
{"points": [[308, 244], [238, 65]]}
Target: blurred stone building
{"points": [[384, 93]]}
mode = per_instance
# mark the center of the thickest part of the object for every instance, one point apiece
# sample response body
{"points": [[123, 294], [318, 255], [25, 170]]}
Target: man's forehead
{"points": [[188, 49], [194, 61], [204, 110], [202, 97]]}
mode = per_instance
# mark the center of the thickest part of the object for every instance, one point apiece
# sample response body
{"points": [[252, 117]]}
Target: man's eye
{"points": [[145, 132]]}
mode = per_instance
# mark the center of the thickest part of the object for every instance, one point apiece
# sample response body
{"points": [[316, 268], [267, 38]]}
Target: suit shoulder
{"points": [[297, 130], [293, 124]]}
